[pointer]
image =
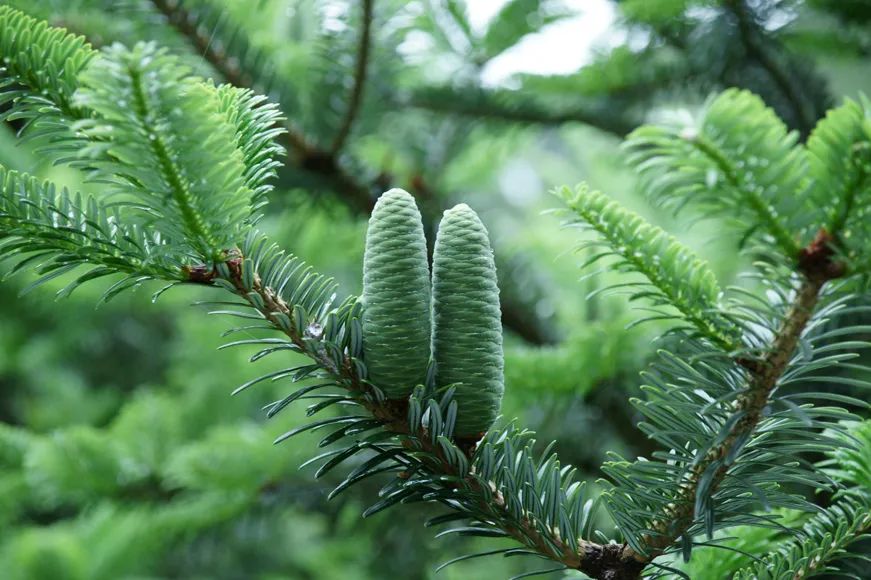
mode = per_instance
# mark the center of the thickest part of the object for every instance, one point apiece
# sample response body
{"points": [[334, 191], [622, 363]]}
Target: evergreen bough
{"points": [[675, 275], [737, 418]]}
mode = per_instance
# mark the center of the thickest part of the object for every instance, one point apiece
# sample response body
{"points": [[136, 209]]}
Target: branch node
{"points": [[817, 259]]}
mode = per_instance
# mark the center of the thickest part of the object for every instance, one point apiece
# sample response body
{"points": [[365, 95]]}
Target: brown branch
{"points": [[359, 79]]}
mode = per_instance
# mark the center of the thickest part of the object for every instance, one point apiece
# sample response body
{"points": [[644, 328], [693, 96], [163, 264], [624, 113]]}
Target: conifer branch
{"points": [[605, 561], [676, 275], [763, 377], [824, 539], [43, 58], [763, 210], [360, 70], [33, 212], [516, 107], [755, 178], [491, 479], [173, 175]]}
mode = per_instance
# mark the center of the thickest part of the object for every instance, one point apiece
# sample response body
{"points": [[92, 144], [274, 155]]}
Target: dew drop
{"points": [[314, 330], [711, 178], [689, 134]]}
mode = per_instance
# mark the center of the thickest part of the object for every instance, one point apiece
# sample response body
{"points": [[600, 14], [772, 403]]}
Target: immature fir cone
{"points": [[396, 296], [467, 332]]}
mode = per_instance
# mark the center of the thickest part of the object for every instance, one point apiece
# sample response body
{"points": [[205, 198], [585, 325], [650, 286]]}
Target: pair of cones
{"points": [[451, 317]]}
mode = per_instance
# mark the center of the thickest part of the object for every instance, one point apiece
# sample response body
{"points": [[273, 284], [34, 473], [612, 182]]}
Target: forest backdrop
{"points": [[123, 454]]}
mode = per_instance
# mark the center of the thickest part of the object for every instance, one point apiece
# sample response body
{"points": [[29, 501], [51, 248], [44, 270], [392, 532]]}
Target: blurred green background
{"points": [[122, 453]]}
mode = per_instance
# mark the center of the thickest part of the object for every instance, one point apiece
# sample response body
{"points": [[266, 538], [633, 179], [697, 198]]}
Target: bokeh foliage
{"points": [[122, 452]]}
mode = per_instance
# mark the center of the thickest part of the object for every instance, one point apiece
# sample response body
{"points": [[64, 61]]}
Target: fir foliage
{"points": [[676, 277], [821, 546], [257, 126], [740, 547], [169, 146], [825, 538], [756, 175], [46, 60], [839, 151], [41, 68], [730, 399], [55, 232], [346, 59]]}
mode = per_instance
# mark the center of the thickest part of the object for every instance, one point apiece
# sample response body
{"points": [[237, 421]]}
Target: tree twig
{"points": [[359, 79], [816, 264], [496, 105], [756, 50]]}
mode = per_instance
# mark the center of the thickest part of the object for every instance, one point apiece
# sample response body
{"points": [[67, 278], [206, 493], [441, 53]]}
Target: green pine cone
{"points": [[396, 296], [467, 328]]}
